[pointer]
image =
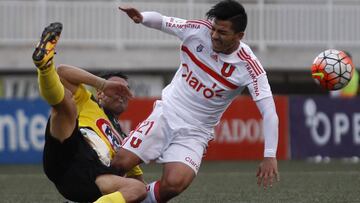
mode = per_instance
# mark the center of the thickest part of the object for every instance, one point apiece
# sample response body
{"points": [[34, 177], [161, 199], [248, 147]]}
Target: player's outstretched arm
{"points": [[150, 19], [268, 169], [133, 13], [72, 77]]}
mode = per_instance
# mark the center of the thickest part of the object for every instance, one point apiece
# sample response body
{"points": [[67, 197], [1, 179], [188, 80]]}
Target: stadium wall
{"points": [[309, 126]]}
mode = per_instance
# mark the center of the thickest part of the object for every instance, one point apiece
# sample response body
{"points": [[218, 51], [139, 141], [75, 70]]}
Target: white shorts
{"points": [[167, 138]]}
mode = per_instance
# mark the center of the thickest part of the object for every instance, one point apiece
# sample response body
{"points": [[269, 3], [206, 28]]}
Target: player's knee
{"points": [[173, 185], [66, 107]]}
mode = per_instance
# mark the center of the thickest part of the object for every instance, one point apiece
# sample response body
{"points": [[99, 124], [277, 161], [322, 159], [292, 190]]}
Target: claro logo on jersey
{"points": [[109, 132], [198, 86], [192, 162]]}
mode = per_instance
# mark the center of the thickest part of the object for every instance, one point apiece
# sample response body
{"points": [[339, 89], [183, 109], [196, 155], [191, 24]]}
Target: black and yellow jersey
{"points": [[92, 116], [95, 124]]}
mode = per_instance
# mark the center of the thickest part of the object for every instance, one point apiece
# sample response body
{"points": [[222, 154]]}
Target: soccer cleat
{"points": [[45, 50]]}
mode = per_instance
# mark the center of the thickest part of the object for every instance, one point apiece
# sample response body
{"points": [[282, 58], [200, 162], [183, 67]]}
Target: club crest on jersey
{"points": [[112, 136], [198, 86], [227, 70], [199, 48]]}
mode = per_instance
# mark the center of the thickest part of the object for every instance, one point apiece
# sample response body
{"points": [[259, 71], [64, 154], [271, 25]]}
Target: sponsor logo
{"points": [[254, 79], [21, 132], [239, 131], [192, 162], [182, 26], [331, 128], [19, 87], [113, 137], [198, 86]]}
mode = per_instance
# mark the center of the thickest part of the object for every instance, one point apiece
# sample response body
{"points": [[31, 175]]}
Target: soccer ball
{"points": [[332, 69]]}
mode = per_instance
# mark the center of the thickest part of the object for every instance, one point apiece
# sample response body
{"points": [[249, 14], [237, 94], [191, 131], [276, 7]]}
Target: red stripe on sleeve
{"points": [[247, 59], [207, 22], [255, 62], [200, 22], [254, 65]]}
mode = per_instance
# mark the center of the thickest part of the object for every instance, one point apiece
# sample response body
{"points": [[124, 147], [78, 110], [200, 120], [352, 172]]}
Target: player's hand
{"points": [[133, 13], [267, 172], [116, 89]]}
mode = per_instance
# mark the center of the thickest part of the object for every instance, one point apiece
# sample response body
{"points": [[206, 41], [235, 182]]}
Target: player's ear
{"points": [[240, 35]]}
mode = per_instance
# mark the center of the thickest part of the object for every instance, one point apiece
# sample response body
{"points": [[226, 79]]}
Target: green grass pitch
{"points": [[216, 182]]}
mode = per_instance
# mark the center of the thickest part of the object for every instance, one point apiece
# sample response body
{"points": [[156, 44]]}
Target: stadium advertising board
{"points": [[238, 136], [22, 127], [324, 126]]}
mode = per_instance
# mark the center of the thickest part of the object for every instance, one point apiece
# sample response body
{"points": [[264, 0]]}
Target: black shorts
{"points": [[73, 166]]}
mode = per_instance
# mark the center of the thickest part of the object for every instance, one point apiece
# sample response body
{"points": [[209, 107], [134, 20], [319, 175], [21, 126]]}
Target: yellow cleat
{"points": [[45, 50]]}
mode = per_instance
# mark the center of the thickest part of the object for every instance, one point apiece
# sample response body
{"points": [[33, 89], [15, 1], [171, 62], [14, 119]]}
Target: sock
{"points": [[50, 86], [152, 193], [115, 197]]}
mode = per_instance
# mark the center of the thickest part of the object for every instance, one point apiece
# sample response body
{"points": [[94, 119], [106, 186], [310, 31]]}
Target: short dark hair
{"points": [[107, 75], [229, 10]]}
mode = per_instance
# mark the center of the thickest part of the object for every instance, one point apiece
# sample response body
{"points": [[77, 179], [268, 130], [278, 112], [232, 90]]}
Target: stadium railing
{"points": [[271, 23]]}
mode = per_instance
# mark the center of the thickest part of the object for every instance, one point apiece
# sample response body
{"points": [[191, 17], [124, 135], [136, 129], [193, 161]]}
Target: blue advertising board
{"points": [[324, 126], [22, 128]]}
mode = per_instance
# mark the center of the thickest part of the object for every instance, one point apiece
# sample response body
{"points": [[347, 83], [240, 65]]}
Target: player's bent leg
{"points": [[63, 118], [117, 188], [175, 179], [124, 160], [63, 114]]}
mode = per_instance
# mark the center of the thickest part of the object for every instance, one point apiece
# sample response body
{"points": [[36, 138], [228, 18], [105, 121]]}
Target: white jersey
{"points": [[206, 82]]}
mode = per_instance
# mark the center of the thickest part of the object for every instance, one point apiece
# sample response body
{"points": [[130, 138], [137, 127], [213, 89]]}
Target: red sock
{"points": [[156, 191]]}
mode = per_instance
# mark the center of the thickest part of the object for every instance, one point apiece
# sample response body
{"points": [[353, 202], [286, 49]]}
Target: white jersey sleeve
{"points": [[152, 19], [258, 86], [173, 25], [267, 109]]}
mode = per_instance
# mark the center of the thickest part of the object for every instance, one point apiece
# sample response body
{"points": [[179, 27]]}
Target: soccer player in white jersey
{"points": [[215, 67]]}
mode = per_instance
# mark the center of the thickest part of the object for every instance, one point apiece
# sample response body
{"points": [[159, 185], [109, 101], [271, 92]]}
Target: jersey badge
{"points": [[199, 48]]}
